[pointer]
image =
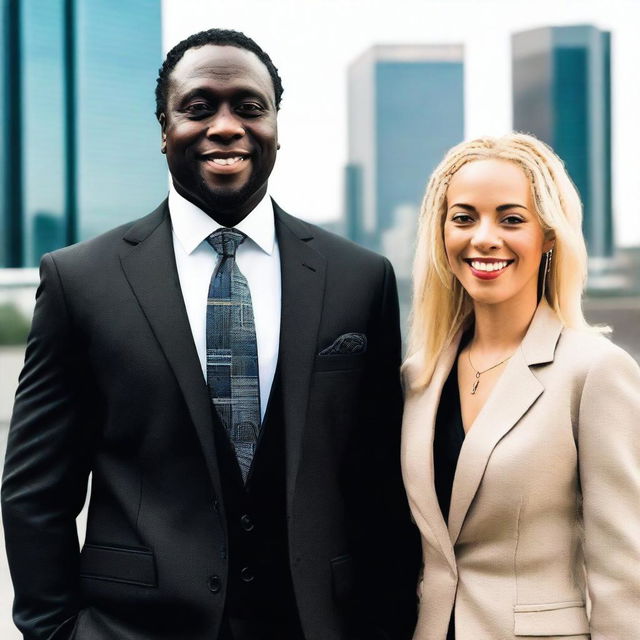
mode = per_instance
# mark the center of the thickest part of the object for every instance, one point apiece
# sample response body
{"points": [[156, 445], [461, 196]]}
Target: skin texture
{"points": [[220, 105]]}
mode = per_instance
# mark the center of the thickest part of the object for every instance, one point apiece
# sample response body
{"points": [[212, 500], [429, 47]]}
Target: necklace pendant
{"points": [[475, 386]]}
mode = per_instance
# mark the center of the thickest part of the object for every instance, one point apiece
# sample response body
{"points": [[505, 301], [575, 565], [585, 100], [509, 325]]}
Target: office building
{"points": [[562, 94], [406, 109], [80, 146]]}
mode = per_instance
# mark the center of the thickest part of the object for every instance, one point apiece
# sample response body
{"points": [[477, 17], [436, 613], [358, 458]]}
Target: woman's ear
{"points": [[550, 242]]}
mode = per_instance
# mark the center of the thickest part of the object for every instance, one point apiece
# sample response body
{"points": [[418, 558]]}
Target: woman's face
{"points": [[492, 236]]}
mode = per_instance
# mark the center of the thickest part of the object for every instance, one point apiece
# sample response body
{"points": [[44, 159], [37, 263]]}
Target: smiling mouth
{"points": [[487, 269], [226, 162]]}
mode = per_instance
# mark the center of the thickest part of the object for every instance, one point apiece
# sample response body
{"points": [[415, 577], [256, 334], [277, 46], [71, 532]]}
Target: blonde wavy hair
{"points": [[440, 304]]}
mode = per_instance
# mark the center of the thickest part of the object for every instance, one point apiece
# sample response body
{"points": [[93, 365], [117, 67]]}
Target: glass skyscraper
{"points": [[42, 129], [562, 94], [121, 173], [80, 142], [406, 109]]}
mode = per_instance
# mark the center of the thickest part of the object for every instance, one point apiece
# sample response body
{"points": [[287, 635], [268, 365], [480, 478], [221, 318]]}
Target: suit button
{"points": [[214, 583], [246, 575], [216, 506], [246, 523]]}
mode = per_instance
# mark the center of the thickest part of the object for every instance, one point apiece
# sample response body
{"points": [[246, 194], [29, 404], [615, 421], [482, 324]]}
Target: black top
{"points": [[447, 440], [447, 443]]}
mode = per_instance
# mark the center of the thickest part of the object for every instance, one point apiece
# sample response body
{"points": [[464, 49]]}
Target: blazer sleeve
{"points": [[609, 462], [46, 467]]}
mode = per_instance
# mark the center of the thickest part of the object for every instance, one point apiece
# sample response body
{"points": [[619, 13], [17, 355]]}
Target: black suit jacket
{"points": [[112, 385]]}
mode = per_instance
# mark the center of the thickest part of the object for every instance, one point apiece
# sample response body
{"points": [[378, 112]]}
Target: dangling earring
{"points": [[547, 268]]}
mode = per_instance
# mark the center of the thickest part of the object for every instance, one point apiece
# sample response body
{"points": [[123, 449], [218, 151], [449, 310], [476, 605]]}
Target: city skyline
{"points": [[323, 37], [65, 188]]}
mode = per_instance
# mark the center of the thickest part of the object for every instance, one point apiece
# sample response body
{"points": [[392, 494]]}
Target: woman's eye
{"points": [[513, 220], [462, 218]]}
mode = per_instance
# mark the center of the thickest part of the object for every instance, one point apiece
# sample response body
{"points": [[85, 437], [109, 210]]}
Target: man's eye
{"points": [[197, 107], [250, 108]]}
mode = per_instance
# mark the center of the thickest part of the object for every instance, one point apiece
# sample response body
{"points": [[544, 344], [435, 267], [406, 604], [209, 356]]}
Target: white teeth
{"points": [[488, 266], [225, 162]]}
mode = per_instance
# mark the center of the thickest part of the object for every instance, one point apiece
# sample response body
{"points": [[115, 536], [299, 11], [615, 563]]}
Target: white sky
{"points": [[312, 42]]}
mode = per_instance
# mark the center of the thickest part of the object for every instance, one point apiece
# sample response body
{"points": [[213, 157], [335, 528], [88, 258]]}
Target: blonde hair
{"points": [[440, 305]]}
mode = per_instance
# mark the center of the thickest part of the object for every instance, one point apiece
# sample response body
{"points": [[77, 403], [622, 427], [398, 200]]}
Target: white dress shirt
{"points": [[258, 258]]}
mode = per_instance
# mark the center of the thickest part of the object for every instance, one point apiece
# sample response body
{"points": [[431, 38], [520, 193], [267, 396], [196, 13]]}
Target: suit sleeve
{"points": [[46, 468], [609, 459], [389, 550]]}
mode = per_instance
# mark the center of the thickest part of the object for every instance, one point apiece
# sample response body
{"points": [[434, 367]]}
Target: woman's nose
{"points": [[486, 236]]}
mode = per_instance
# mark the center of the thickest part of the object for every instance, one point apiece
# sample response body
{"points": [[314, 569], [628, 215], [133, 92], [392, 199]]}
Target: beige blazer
{"points": [[545, 507]]}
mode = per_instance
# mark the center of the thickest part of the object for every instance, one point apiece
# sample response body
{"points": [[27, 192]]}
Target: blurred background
{"points": [[375, 93]]}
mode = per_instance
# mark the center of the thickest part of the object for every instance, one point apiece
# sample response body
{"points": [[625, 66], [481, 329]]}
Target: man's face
{"points": [[219, 131]]}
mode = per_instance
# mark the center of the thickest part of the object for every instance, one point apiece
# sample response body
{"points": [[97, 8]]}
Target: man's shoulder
{"points": [[106, 245], [334, 247]]}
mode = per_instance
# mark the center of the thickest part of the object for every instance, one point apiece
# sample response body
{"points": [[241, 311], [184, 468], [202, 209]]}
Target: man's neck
{"points": [[226, 215]]}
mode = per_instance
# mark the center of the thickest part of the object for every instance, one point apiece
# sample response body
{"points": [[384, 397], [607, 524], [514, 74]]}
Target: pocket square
{"points": [[347, 343]]}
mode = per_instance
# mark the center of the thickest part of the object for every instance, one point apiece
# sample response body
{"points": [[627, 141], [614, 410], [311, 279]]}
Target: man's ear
{"points": [[163, 128]]}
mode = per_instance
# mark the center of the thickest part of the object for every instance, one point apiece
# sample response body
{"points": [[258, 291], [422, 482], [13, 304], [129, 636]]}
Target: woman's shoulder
{"points": [[600, 379], [589, 352], [412, 370]]}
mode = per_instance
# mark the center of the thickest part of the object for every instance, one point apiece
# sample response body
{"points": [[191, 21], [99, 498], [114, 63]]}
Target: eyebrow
{"points": [[502, 207], [192, 93], [240, 92]]}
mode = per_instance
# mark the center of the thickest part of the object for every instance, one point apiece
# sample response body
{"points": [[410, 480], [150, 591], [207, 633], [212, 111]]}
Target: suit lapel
{"points": [[303, 284], [421, 408], [148, 261], [514, 393]]}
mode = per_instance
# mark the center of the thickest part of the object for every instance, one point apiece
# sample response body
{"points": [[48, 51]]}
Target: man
{"points": [[242, 429]]}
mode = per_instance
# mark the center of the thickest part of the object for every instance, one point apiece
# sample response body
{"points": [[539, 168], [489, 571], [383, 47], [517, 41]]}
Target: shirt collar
{"points": [[191, 225]]}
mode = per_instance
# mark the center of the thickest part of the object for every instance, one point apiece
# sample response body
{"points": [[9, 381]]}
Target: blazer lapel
{"points": [[149, 265], [421, 407], [303, 284], [514, 393]]}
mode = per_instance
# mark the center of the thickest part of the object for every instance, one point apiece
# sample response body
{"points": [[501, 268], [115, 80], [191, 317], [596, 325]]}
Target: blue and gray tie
{"points": [[232, 351]]}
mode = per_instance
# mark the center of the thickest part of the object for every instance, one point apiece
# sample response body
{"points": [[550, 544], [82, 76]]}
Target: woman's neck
{"points": [[500, 328]]}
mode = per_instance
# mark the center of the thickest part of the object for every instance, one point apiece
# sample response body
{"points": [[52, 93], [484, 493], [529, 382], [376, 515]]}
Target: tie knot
{"points": [[226, 241]]}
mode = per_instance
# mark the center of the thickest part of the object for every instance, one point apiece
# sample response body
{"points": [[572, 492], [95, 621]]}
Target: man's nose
{"points": [[225, 124], [487, 236]]}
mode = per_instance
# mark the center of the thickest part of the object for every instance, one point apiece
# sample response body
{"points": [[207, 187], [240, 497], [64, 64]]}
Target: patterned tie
{"points": [[232, 351]]}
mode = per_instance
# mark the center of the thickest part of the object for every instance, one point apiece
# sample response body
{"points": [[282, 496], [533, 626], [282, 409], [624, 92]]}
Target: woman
{"points": [[521, 435]]}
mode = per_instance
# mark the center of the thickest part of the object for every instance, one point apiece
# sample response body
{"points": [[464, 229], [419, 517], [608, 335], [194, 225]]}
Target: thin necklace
{"points": [[479, 373]]}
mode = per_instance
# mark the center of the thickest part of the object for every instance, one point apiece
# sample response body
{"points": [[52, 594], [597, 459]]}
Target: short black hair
{"points": [[221, 37]]}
